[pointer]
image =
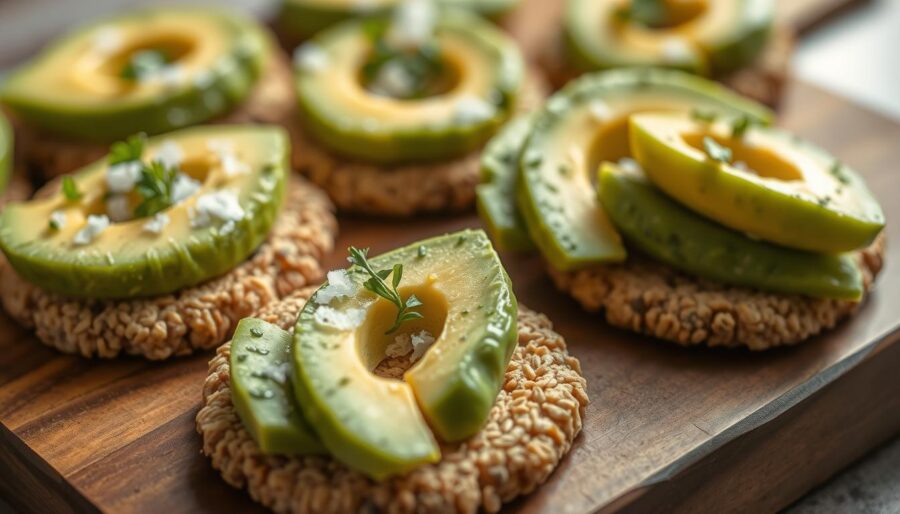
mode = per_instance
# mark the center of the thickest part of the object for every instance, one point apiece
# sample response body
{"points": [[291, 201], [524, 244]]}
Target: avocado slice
{"points": [[480, 74], [776, 187], [378, 425], [302, 19], [231, 186], [704, 37], [584, 124], [495, 195], [261, 390], [148, 71], [6, 152], [675, 235]]}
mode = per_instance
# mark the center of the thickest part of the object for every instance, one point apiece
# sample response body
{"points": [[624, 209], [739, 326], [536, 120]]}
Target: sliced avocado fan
{"points": [[766, 183], [467, 310], [705, 37], [585, 124], [674, 235], [368, 94], [154, 217], [148, 71]]}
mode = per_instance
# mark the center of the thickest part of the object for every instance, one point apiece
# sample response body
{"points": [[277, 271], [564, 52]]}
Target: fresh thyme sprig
{"points": [[70, 189], [154, 185], [132, 149], [376, 283]]}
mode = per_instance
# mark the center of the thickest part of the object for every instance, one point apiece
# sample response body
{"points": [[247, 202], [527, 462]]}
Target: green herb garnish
{"points": [[740, 126], [704, 116], [422, 66], [144, 63], [132, 149], [155, 188], [70, 189], [376, 283], [715, 151], [651, 13]]}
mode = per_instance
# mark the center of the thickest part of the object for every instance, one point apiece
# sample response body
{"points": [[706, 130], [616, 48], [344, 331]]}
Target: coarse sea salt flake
{"points": [[344, 319], [339, 284], [222, 205], [420, 344]]}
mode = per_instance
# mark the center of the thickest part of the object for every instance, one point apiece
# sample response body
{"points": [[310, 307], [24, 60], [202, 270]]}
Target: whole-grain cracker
{"points": [[365, 188], [198, 318], [651, 298], [531, 427]]}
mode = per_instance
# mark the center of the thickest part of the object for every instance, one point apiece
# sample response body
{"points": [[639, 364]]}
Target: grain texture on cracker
{"points": [[52, 155], [531, 427], [198, 318], [404, 190], [651, 298]]}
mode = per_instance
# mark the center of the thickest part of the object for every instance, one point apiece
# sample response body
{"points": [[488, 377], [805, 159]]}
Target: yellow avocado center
{"points": [[372, 340], [762, 161]]}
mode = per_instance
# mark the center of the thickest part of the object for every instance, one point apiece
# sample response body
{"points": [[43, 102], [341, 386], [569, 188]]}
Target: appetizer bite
{"points": [[299, 20], [395, 110], [725, 39], [149, 71], [703, 226], [411, 382], [159, 249]]}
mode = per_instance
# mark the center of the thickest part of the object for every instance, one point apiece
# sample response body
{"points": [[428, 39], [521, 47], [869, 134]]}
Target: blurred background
{"points": [[855, 53]]}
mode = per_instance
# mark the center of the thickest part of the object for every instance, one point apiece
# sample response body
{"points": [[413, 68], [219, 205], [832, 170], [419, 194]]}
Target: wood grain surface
{"points": [[668, 428]]}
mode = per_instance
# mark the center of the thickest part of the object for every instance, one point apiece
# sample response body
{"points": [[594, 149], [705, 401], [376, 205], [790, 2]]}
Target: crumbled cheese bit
{"points": [[169, 76], [232, 166], [157, 223], [222, 205], [345, 319], [412, 23], [393, 80], [182, 187], [310, 58], [420, 343], [94, 226], [108, 40], [471, 109], [339, 284], [122, 177], [600, 111], [401, 346], [170, 154], [676, 49], [57, 219], [118, 208], [629, 165]]}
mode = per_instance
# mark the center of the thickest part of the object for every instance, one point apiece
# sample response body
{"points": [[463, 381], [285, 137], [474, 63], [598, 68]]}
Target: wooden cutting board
{"points": [[668, 429]]}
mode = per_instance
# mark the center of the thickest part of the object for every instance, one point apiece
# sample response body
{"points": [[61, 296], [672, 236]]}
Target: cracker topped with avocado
{"points": [[164, 244], [402, 372], [731, 40], [394, 109], [669, 203], [150, 71]]}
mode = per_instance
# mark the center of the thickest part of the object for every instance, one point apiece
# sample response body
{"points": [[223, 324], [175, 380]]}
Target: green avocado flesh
{"points": [[585, 124], [495, 196], [261, 390], [676, 236], [706, 37], [6, 152], [302, 19], [775, 187], [126, 259], [384, 426], [85, 85], [481, 74]]}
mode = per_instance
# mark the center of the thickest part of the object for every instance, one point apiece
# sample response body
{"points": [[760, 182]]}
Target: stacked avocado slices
{"points": [[151, 71], [704, 37], [154, 217], [684, 171], [315, 391], [299, 20], [416, 86]]}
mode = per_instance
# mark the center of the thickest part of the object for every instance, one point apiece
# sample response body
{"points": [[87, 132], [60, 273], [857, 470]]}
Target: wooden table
{"points": [[669, 428]]}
